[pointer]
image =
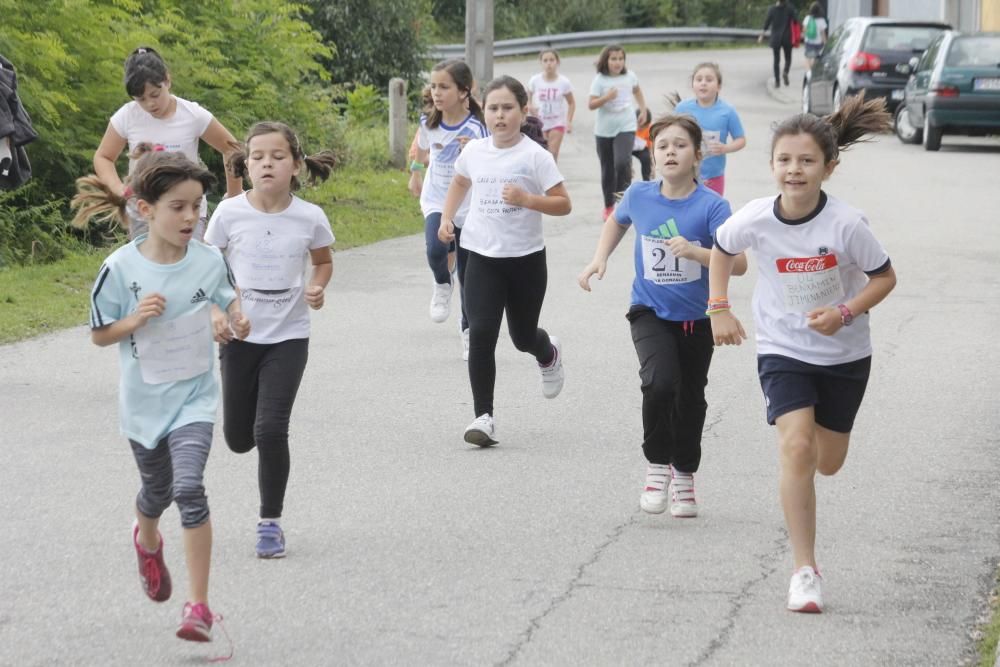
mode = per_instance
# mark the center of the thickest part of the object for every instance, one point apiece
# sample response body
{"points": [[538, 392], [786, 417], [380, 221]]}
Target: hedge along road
{"points": [[407, 546]]}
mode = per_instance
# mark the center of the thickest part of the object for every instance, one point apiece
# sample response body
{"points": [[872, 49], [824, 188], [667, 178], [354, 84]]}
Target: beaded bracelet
{"points": [[717, 308]]}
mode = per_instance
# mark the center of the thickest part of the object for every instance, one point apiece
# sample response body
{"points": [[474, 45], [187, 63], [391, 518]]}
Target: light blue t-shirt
{"points": [[618, 115], [675, 289], [148, 412], [718, 122]]}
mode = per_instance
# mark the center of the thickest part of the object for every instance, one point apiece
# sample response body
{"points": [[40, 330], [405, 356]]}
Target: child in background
{"points": [[814, 32], [552, 100], [719, 123], [512, 181], [271, 237], [158, 117], [642, 146], [616, 96], [821, 272], [675, 221], [158, 288]]}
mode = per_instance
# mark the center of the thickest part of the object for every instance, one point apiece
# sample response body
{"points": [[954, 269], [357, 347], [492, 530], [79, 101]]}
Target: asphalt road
{"points": [[406, 546]]}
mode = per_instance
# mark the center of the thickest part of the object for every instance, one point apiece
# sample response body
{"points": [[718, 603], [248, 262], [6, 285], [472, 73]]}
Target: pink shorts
{"points": [[718, 183], [557, 128]]}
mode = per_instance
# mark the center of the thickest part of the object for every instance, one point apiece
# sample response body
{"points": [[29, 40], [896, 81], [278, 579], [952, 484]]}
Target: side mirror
{"points": [[913, 63]]}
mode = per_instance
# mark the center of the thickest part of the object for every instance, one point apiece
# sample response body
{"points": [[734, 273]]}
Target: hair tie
{"points": [[159, 147], [140, 50]]}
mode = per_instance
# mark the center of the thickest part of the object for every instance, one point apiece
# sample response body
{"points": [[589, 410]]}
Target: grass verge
{"points": [[990, 633]]}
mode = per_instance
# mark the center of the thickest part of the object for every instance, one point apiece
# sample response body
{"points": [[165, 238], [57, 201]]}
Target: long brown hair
{"points": [[155, 173], [602, 59], [462, 76], [318, 165], [851, 124]]}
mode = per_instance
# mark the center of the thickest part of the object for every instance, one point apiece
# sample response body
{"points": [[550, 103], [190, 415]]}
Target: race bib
{"points": [[270, 262], [623, 100], [662, 267], [175, 350], [441, 174], [809, 282], [707, 136]]}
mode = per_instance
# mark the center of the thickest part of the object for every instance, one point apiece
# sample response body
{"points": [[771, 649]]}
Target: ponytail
{"points": [[851, 124], [94, 200], [532, 128], [318, 166]]}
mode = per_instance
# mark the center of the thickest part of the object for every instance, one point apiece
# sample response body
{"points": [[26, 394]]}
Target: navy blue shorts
{"points": [[835, 392]]}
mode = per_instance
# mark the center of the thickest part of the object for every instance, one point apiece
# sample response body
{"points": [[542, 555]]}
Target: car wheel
{"points": [[905, 130], [932, 135], [806, 97], [838, 99]]}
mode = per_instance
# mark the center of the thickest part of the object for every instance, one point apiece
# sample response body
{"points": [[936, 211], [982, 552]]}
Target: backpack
{"points": [[811, 32]]}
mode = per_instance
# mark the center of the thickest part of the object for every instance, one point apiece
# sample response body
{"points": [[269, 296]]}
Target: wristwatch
{"points": [[846, 316]]}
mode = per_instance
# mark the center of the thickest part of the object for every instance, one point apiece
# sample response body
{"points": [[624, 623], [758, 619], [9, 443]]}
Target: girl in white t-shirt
{"points": [[455, 119], [552, 100], [821, 272], [271, 237], [512, 181], [158, 117]]}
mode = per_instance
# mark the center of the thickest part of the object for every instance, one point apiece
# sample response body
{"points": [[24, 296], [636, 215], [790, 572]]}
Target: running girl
{"points": [[675, 221], [552, 100], [513, 181], [720, 124], [616, 95], [822, 271], [270, 238], [455, 119], [157, 116], [162, 285]]}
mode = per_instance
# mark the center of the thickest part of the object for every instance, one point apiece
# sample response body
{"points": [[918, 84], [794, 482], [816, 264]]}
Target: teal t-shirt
{"points": [[148, 411], [618, 115]]}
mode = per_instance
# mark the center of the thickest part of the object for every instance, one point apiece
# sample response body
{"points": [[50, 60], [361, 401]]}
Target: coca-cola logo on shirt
{"points": [[806, 264]]}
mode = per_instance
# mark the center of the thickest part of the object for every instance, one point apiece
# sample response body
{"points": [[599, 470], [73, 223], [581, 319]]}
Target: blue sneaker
{"points": [[270, 540]]}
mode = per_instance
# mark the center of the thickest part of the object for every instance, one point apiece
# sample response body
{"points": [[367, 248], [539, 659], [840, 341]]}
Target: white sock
{"points": [[276, 522], [657, 476]]}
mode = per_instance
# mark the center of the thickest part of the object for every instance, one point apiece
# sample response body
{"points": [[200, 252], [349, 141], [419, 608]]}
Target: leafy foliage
{"points": [[32, 231]]}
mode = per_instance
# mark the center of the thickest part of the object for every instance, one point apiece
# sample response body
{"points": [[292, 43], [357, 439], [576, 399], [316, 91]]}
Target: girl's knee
{"points": [[192, 504], [798, 449]]}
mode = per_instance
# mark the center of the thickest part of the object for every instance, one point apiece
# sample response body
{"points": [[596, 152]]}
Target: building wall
{"points": [[989, 18], [965, 15]]}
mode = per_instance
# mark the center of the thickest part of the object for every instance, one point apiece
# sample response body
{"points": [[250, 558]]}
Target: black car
{"points": [[866, 55], [954, 89]]}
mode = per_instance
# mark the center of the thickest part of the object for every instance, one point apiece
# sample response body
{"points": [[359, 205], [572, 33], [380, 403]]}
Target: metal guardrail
{"points": [[531, 45]]}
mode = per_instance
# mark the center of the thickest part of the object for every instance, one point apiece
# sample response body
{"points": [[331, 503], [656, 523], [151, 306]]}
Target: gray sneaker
{"points": [[270, 540], [553, 375]]}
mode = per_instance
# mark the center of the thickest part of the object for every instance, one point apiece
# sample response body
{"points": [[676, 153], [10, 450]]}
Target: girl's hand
{"points": [[221, 331], [726, 329], [314, 296], [681, 247], [611, 94], [240, 324], [595, 266], [446, 232], [532, 110], [715, 147], [569, 127], [826, 320], [514, 195], [416, 183], [151, 306]]}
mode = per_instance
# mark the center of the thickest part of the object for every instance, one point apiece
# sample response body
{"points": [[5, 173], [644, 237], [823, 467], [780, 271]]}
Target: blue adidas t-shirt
{"points": [[675, 289], [148, 412], [719, 122]]}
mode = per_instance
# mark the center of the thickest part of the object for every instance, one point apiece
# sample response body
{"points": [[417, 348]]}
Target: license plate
{"points": [[986, 84], [898, 94]]}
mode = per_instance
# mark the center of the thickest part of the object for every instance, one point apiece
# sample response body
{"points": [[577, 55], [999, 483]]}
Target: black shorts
{"points": [[835, 392]]}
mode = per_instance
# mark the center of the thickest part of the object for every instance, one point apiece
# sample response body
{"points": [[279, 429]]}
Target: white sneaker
{"points": [[682, 502], [465, 344], [553, 375], [805, 592], [441, 302], [481, 432], [655, 494], [653, 501]]}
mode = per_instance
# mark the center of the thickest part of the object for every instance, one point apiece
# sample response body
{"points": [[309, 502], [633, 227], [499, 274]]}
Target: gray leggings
{"points": [[173, 471]]}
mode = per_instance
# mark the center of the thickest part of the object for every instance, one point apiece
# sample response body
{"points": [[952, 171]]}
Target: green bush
{"points": [[366, 107], [32, 230]]}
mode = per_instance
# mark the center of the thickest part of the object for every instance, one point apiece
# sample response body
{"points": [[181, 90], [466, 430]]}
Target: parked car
{"points": [[954, 89], [866, 55]]}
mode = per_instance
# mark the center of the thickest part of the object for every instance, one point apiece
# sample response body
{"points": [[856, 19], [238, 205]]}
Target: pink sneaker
{"points": [[196, 623], [153, 573]]}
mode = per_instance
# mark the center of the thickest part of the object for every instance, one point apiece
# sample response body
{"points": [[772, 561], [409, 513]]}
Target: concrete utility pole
{"points": [[397, 122], [479, 40]]}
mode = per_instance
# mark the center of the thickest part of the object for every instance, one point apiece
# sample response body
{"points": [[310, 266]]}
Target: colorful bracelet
{"points": [[417, 166], [717, 308], [718, 299]]}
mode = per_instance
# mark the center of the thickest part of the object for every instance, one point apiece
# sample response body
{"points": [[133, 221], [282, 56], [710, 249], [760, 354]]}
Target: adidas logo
{"points": [[666, 230], [199, 296]]}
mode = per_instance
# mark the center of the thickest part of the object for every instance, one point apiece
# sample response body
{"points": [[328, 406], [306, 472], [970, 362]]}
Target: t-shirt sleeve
{"points": [[217, 233], [634, 77], [322, 232], [623, 213], [462, 163], [547, 172], [735, 127], [202, 117], [120, 122], [225, 288], [732, 236], [567, 87], [423, 140], [719, 211], [107, 304], [595, 87], [865, 249]]}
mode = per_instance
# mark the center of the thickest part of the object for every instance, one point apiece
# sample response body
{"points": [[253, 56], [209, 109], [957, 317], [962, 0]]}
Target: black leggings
{"points": [[615, 154], [259, 384], [673, 366], [645, 162], [787, 48], [494, 285]]}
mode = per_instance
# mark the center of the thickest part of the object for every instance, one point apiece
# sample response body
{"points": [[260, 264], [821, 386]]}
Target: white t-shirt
{"points": [[179, 133], [269, 256], [493, 228], [818, 261], [549, 97], [442, 142], [820, 29]]}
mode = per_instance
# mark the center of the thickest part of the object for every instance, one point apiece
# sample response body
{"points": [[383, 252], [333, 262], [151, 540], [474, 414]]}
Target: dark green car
{"points": [[954, 89]]}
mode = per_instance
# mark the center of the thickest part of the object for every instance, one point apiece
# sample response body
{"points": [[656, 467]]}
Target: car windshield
{"points": [[909, 38], [974, 51]]}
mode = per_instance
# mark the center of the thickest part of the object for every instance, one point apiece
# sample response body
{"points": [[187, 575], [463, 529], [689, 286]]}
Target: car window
{"points": [[930, 55], [974, 51], [836, 39], [911, 38]]}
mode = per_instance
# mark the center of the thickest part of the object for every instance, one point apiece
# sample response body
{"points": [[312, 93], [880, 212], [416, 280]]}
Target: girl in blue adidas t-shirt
{"points": [[675, 222]]}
